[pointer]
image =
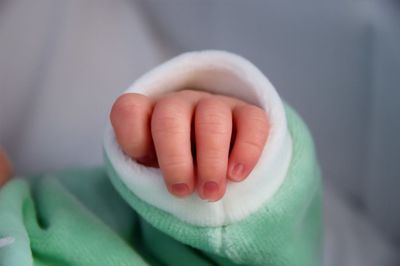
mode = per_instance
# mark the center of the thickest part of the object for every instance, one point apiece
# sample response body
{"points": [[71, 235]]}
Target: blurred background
{"points": [[62, 63]]}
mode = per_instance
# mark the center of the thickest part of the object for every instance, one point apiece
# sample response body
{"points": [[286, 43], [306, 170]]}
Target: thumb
{"points": [[5, 168]]}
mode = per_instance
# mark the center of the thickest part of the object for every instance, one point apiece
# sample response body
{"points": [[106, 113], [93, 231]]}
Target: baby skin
{"points": [[200, 141]]}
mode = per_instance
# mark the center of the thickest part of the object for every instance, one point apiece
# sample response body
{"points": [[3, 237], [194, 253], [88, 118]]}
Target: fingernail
{"points": [[236, 172], [180, 189], [210, 190]]}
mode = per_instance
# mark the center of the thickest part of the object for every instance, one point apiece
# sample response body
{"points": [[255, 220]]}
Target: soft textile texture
{"points": [[79, 217]]}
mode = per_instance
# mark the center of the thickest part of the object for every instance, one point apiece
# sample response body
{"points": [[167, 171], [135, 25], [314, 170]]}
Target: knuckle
{"points": [[165, 124], [167, 117], [212, 117], [258, 119], [127, 105], [212, 124]]}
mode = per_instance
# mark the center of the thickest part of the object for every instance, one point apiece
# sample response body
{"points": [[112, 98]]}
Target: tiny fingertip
{"points": [[180, 190], [236, 172]]}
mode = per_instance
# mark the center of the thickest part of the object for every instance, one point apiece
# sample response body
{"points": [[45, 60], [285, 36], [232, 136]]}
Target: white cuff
{"points": [[222, 73]]}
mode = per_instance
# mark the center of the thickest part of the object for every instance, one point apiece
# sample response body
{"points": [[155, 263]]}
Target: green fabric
{"points": [[77, 217]]}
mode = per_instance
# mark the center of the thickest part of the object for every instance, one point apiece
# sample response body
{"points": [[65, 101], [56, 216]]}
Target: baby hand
{"points": [[198, 139]]}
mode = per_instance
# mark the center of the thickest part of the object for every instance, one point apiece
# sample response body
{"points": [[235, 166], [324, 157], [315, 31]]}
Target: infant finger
{"points": [[171, 127], [213, 129], [252, 128], [130, 118]]}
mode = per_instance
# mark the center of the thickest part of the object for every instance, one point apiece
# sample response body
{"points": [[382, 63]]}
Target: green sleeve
{"points": [[285, 231]]}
